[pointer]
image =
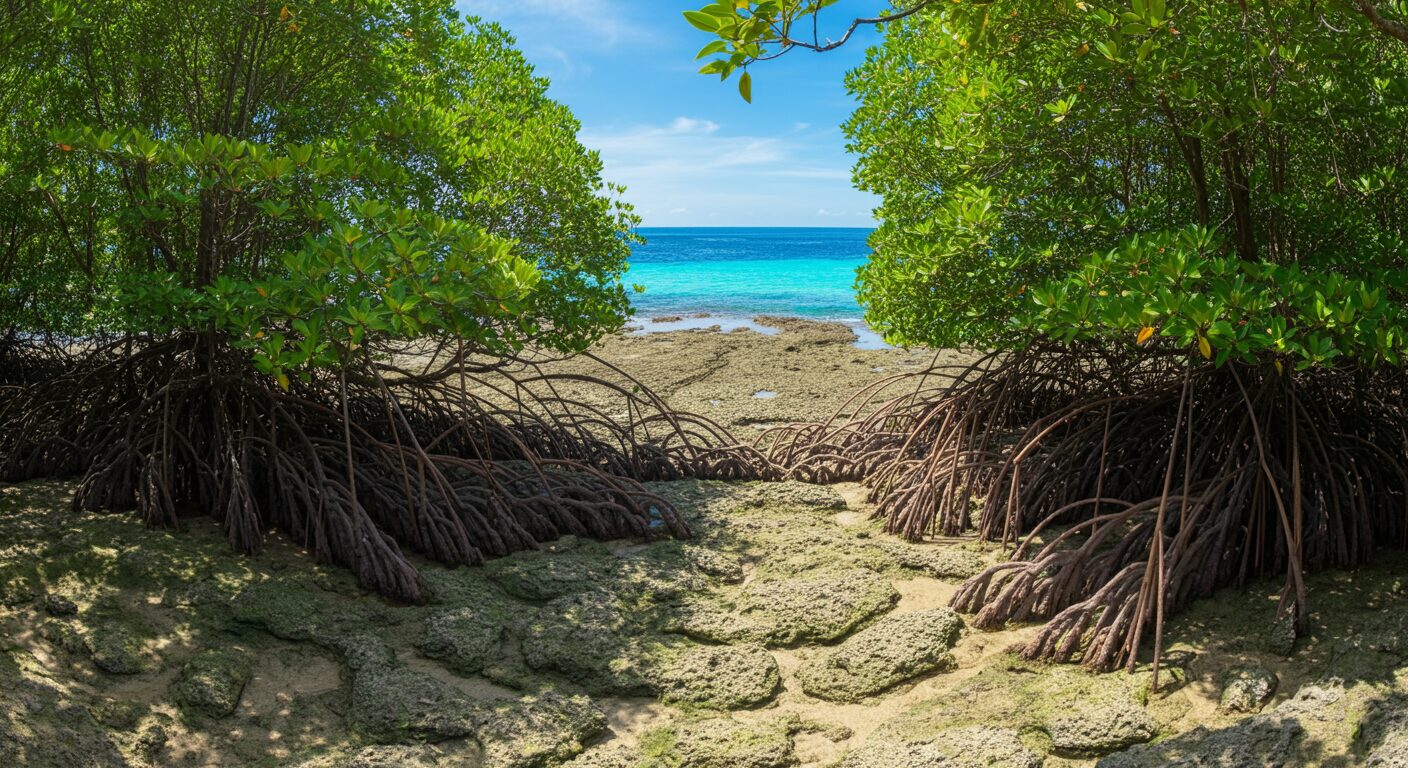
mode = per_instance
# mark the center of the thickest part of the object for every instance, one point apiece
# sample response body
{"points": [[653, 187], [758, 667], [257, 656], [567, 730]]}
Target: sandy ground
{"points": [[776, 371]]}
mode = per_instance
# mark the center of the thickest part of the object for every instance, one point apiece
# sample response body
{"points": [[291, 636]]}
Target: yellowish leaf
{"points": [[1204, 347], [1145, 333]]}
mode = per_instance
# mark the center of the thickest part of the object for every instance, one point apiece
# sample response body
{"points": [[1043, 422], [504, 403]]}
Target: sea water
{"points": [[735, 274]]}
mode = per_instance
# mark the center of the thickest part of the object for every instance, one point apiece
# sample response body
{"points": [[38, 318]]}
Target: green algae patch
{"points": [[787, 612], [719, 677], [564, 567], [722, 742], [211, 682], [889, 652], [595, 640], [1059, 709], [974, 746]]}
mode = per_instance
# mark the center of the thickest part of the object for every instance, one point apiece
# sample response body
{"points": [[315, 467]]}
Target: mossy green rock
{"points": [[118, 649], [537, 731], [211, 683], [284, 608], [465, 639], [818, 608], [977, 746], [393, 704], [42, 727], [720, 676], [722, 743], [564, 567], [883, 655], [593, 640], [1247, 689]]}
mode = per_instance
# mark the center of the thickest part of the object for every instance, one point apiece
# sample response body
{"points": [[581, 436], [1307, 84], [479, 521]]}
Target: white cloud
{"points": [[799, 127], [697, 169], [691, 125]]}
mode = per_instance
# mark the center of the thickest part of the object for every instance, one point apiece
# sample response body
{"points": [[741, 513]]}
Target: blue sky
{"points": [[689, 150]]}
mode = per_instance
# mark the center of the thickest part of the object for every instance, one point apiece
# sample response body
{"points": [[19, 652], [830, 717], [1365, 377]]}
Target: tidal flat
{"points": [[788, 630]]}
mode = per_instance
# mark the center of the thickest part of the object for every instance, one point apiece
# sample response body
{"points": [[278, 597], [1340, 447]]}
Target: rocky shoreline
{"points": [[790, 630]]}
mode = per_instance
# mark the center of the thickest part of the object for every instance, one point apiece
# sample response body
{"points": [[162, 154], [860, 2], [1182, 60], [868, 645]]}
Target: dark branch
{"points": [[816, 44], [1390, 27]]}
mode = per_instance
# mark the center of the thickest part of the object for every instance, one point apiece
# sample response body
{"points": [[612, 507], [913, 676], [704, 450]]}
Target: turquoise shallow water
{"points": [[742, 272]]}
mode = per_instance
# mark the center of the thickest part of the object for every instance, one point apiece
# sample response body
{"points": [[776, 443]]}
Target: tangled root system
{"points": [[428, 450], [1128, 484]]}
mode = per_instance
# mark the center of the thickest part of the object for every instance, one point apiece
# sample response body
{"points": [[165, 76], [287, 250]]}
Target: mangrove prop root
{"points": [[435, 453], [1128, 484]]}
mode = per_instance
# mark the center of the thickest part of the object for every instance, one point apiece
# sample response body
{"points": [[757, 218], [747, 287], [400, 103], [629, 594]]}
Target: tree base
{"points": [[1128, 485]]}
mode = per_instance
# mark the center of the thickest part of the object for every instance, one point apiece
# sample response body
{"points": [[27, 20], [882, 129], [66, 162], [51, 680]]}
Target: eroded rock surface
{"points": [[888, 652], [786, 612], [977, 746]]}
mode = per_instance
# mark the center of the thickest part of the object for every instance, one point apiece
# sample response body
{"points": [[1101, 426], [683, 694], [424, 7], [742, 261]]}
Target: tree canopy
{"points": [[298, 175], [1224, 176]]}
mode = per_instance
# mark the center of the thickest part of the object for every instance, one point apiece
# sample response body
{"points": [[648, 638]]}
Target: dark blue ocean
{"points": [[743, 272]]}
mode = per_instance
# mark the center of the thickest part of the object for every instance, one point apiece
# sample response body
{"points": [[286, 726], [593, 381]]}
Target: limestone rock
{"points": [[977, 746], [58, 605], [466, 639], [723, 677], [724, 742], [589, 639], [1384, 735], [564, 567], [1268, 740], [1247, 689], [117, 649], [392, 704], [211, 683], [1099, 729], [537, 731], [786, 612], [888, 652]]}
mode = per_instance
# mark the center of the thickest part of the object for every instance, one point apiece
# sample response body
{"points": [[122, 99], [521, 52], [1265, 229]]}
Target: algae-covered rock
{"points": [[590, 639], [393, 704], [211, 683], [888, 652], [1265, 741], [1099, 728], [58, 605], [1384, 736], [117, 649], [41, 726], [64, 635], [284, 608], [722, 676], [1247, 689], [978, 746], [1061, 708], [939, 561], [607, 756], [537, 731], [1269, 740], [465, 639], [465, 755], [818, 608], [564, 567], [722, 743]]}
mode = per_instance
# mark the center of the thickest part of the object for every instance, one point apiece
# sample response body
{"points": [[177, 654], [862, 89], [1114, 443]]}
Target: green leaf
{"points": [[702, 21], [745, 87]]}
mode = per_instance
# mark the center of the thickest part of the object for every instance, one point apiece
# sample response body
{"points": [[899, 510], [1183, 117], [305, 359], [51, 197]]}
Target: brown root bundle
{"points": [[1129, 485], [451, 457]]}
